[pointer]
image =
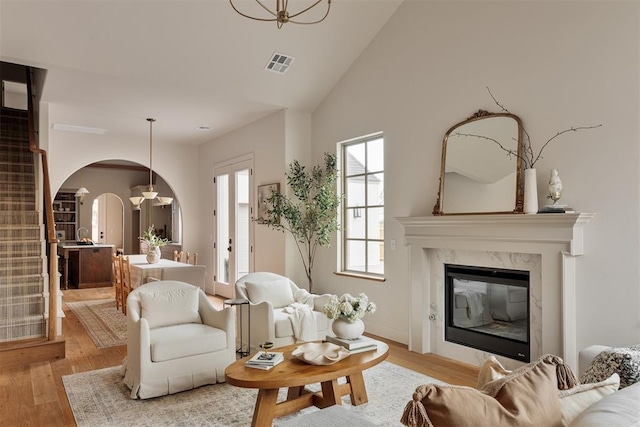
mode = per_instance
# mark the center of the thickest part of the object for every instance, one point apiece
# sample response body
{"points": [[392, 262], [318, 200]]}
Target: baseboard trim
{"points": [[31, 351]]}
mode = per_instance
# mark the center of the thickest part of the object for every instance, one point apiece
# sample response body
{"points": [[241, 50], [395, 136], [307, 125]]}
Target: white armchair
{"points": [[176, 339], [270, 295]]}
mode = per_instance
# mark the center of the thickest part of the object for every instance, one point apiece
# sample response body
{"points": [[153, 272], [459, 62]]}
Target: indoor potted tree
{"points": [[310, 213]]}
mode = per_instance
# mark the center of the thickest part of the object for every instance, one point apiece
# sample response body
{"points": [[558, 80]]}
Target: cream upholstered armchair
{"points": [[272, 299], [176, 339]]}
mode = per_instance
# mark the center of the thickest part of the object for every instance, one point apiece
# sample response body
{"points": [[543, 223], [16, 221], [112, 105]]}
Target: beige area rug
{"points": [[99, 398], [106, 325]]}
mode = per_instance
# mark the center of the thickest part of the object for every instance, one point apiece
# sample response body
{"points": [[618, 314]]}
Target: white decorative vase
{"points": [[153, 255], [530, 192], [347, 330]]}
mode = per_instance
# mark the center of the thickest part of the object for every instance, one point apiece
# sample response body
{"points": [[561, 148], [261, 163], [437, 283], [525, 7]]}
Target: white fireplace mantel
{"points": [[557, 238]]}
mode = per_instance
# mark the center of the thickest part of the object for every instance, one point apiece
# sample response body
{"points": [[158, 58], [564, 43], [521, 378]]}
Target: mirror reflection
{"points": [[480, 170]]}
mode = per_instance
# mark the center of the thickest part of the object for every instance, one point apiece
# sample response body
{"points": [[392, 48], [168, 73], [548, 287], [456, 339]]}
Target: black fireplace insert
{"points": [[488, 309]]}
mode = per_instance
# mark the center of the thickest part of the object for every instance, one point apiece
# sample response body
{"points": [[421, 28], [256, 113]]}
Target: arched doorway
{"points": [[124, 179], [107, 220]]}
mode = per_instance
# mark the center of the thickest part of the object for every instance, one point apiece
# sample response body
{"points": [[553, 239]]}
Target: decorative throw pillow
{"points": [[575, 400], [490, 370], [624, 361], [527, 396], [172, 307], [572, 401], [277, 292]]}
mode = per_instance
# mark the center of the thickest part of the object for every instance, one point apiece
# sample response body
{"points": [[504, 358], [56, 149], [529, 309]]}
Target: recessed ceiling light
{"points": [[279, 63], [204, 128], [79, 129]]}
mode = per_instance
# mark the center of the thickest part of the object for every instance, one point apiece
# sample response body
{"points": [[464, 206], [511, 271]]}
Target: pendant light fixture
{"points": [[150, 194], [281, 15]]}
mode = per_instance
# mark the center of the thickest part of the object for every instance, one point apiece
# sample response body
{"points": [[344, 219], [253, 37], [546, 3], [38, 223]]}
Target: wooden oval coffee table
{"points": [[295, 375]]}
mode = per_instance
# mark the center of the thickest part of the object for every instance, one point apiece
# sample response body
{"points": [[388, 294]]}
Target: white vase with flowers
{"points": [[347, 312], [154, 243]]}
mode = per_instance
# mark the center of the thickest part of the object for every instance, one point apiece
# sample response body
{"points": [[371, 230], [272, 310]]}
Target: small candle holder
{"points": [[266, 346]]}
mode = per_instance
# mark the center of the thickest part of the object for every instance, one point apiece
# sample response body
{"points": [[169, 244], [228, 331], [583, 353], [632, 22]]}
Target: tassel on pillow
{"points": [[415, 414], [566, 377]]}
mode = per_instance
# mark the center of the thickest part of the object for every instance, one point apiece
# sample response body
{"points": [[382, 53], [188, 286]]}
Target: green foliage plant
{"points": [[152, 240], [309, 211]]}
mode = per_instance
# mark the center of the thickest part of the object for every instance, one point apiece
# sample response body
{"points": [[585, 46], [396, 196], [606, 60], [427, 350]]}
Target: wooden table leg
{"points": [[358, 390], [330, 393], [294, 392], [265, 407]]}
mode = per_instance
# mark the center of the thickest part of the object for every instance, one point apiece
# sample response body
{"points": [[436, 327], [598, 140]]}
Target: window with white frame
{"points": [[362, 224]]}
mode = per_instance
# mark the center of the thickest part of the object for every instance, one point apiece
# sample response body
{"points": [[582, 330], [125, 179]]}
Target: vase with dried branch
{"points": [[528, 157]]}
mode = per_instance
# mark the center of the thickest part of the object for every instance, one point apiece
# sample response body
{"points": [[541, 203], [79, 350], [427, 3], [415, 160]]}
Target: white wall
{"points": [[265, 140], [556, 65]]}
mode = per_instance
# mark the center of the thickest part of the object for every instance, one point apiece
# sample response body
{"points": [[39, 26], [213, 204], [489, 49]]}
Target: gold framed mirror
{"points": [[481, 170]]}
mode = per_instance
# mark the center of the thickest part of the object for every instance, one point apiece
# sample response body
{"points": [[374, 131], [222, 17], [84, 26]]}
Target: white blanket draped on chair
{"points": [[303, 321]]}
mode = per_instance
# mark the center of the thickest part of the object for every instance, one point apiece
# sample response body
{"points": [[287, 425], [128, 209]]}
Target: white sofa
{"points": [[176, 339], [271, 295], [619, 409]]}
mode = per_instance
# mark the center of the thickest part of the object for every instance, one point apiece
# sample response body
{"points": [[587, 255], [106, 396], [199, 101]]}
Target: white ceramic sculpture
{"points": [[555, 186]]}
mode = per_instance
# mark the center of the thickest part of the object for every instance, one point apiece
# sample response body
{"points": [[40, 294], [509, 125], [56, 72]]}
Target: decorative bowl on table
{"points": [[325, 353]]}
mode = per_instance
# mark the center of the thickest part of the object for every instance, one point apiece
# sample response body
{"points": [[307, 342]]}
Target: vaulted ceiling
{"points": [[188, 63]]}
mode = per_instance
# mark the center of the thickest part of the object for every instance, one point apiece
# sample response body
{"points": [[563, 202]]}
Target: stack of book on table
{"points": [[357, 345], [264, 361]]}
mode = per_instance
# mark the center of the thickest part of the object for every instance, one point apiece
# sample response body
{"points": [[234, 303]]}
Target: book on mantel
{"points": [[265, 361], [556, 209], [356, 345]]}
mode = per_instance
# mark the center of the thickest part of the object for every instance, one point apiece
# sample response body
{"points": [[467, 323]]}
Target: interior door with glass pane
{"points": [[233, 236]]}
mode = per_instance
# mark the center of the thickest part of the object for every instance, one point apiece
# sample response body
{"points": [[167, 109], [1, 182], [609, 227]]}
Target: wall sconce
{"points": [[81, 193]]}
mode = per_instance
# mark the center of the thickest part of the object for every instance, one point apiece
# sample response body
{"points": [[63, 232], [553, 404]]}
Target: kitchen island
{"points": [[85, 266]]}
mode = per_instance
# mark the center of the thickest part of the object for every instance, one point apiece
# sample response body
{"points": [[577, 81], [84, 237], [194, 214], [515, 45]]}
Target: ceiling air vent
{"points": [[279, 63]]}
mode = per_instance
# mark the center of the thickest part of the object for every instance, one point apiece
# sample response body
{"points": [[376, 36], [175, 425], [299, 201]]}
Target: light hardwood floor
{"points": [[33, 395]]}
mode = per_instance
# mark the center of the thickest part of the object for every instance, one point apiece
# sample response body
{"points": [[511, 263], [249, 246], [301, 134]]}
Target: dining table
{"points": [[165, 269]]}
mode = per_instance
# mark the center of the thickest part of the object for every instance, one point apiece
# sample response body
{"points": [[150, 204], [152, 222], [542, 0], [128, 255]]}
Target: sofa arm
{"points": [[319, 302], [586, 356], [138, 360], [618, 409], [221, 319]]}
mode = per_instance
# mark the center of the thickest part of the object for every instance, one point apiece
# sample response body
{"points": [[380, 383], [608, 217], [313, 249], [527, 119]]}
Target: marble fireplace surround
{"points": [[545, 244]]}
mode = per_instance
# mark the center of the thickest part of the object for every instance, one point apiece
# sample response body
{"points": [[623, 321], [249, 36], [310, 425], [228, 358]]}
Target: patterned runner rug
{"points": [[106, 325], [100, 398]]}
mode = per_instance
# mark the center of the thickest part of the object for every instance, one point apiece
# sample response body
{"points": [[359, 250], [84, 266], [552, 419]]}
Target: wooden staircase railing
{"points": [[48, 213]]}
